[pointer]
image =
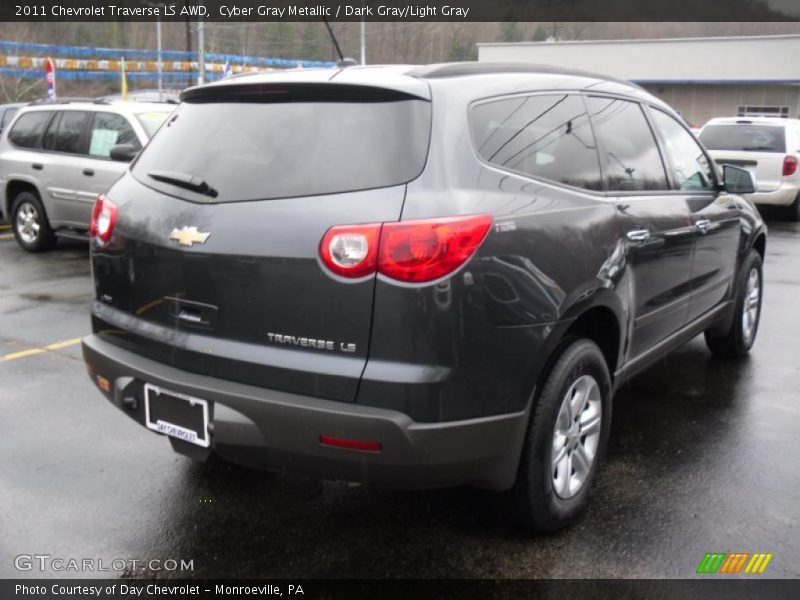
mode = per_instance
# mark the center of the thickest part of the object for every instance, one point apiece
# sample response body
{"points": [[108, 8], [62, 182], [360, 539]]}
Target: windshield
{"points": [[263, 150], [744, 137], [151, 121]]}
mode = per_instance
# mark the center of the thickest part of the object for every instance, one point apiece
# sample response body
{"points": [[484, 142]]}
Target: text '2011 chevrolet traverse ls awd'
{"points": [[415, 276]]}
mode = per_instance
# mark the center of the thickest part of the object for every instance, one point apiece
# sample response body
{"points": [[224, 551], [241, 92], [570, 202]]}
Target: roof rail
{"points": [[42, 101]]}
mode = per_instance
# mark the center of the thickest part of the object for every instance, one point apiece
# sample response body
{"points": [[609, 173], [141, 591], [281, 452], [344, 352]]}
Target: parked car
{"points": [[7, 112], [57, 158], [769, 147], [415, 276]]}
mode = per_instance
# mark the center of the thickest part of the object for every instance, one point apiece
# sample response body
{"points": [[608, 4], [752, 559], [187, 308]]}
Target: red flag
{"points": [[50, 75]]}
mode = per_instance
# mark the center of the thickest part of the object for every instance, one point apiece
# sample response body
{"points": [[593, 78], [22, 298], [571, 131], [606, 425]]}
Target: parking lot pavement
{"points": [[704, 457]]}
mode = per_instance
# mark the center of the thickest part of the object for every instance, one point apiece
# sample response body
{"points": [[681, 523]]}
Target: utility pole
{"points": [[363, 35], [160, 66], [201, 53]]}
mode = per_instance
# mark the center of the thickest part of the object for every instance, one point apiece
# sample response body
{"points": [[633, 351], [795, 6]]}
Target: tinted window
{"points": [[8, 114], [629, 154], [545, 136], [744, 137], [50, 134], [688, 162], [107, 131], [254, 150], [27, 131], [70, 128]]}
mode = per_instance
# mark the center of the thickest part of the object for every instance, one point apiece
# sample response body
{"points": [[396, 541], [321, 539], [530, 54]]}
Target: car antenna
{"points": [[333, 38]]}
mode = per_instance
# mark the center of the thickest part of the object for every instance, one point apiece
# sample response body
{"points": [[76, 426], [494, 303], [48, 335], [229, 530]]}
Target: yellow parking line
{"points": [[7, 236], [41, 350], [5, 226]]}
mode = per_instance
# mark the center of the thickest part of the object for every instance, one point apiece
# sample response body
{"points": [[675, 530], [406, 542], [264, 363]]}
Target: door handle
{"points": [[38, 166], [88, 172], [638, 235], [703, 226]]}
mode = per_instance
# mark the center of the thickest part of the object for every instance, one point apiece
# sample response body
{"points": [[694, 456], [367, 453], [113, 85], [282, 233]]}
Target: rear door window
{"points": [[108, 130], [258, 150], [744, 137], [628, 151], [69, 134], [690, 167], [28, 129], [545, 136]]}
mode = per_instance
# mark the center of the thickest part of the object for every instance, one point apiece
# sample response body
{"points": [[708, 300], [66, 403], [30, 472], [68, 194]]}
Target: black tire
{"points": [[32, 241], [540, 506], [793, 210], [737, 340]]}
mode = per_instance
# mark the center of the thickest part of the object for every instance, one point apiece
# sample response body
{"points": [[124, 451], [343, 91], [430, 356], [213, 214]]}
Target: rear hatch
{"points": [[213, 265], [757, 147]]}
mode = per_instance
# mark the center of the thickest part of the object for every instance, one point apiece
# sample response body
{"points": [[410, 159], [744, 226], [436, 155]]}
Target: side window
{"points": [[50, 134], [70, 129], [107, 131], [629, 154], [689, 164], [544, 136], [28, 129]]}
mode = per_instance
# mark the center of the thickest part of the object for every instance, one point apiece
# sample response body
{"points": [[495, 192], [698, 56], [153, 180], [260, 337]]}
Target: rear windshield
{"points": [[261, 150], [744, 137]]}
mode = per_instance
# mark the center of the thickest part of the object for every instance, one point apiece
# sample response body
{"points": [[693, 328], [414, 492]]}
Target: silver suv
{"points": [[56, 158], [769, 148]]}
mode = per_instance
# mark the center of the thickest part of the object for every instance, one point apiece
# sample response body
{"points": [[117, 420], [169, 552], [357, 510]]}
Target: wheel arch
{"points": [[14, 187]]}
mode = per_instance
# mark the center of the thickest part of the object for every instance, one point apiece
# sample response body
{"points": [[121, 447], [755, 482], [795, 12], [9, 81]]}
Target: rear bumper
{"points": [[277, 430], [783, 196]]}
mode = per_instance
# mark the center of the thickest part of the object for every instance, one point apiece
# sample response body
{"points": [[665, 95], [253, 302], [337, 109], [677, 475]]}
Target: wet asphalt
{"points": [[704, 457]]}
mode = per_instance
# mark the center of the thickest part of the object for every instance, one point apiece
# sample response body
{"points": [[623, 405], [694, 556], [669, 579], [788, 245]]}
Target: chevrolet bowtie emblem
{"points": [[188, 236]]}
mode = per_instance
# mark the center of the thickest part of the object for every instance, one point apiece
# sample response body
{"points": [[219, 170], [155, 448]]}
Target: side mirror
{"points": [[123, 152], [737, 180]]}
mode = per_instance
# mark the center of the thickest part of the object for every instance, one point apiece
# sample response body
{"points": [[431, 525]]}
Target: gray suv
{"points": [[56, 158]]}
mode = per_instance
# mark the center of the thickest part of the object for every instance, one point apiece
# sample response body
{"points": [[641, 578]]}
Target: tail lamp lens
{"points": [[789, 165], [104, 217], [410, 251], [420, 251], [351, 251]]}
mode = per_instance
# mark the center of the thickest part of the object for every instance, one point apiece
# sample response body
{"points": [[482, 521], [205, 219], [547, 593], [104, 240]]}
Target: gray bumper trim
{"points": [[278, 430]]}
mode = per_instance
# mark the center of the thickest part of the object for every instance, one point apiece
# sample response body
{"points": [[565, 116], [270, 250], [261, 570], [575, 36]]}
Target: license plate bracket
{"points": [[176, 415]]}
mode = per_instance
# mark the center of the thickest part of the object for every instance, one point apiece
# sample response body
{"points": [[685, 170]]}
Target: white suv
{"points": [[768, 147], [55, 158]]}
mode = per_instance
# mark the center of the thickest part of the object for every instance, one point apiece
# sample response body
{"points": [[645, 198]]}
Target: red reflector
{"points": [[103, 383], [789, 165], [104, 217], [329, 440]]}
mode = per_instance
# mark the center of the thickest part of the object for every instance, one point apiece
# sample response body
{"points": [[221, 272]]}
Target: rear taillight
{"points": [[410, 251], [789, 165], [351, 251], [104, 217]]}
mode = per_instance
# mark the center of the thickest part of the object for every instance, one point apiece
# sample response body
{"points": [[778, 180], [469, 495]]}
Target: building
{"points": [[700, 77]]}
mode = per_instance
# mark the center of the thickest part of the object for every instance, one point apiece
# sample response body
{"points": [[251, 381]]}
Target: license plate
{"points": [[176, 415]]}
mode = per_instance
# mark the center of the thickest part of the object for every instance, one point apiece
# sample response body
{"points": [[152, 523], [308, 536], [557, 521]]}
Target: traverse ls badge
{"points": [[188, 236]]}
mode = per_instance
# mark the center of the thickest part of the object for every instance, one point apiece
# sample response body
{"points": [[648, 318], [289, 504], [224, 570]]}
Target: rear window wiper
{"points": [[185, 180]]}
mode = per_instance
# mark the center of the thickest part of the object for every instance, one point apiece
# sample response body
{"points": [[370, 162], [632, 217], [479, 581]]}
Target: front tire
{"points": [[566, 439], [741, 335], [29, 222]]}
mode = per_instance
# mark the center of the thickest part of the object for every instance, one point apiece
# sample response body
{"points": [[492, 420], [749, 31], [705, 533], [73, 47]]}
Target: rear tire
{"points": [[741, 335], [566, 439], [793, 210], [29, 223]]}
